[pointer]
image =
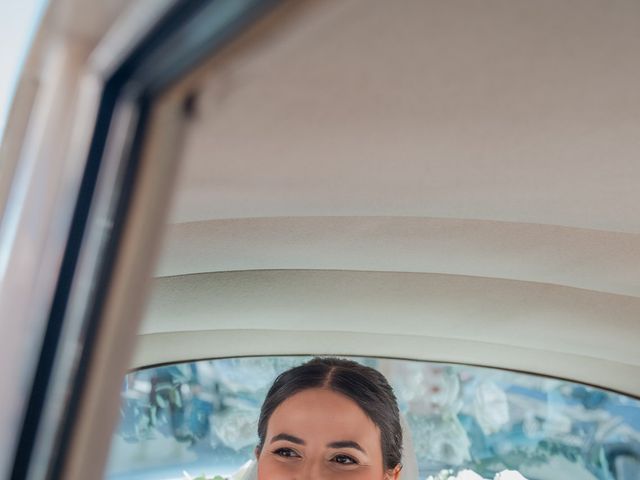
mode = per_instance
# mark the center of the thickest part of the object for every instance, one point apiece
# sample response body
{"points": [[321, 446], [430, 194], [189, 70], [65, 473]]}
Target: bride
{"points": [[330, 419]]}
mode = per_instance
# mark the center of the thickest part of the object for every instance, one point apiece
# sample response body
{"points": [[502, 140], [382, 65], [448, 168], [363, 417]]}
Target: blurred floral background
{"points": [[201, 418]]}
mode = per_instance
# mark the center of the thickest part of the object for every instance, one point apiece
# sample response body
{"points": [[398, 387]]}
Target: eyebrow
{"points": [[346, 444], [286, 436]]}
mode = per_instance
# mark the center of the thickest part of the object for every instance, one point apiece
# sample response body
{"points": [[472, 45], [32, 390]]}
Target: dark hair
{"points": [[364, 385]]}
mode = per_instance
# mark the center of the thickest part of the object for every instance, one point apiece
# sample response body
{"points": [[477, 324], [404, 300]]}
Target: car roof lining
{"points": [[466, 172]]}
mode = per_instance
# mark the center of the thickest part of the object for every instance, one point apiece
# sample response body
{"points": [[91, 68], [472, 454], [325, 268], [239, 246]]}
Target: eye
{"points": [[343, 459], [286, 453]]}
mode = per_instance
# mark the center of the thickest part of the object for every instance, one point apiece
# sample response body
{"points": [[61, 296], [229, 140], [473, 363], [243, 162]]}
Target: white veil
{"points": [[409, 461]]}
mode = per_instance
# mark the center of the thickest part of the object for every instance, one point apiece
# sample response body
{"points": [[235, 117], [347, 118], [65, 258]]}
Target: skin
{"points": [[320, 434]]}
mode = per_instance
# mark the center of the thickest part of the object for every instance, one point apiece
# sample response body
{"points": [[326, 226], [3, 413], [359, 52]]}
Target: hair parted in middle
{"points": [[364, 385]]}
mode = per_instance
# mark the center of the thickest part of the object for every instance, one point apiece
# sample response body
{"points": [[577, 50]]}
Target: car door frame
{"points": [[99, 291]]}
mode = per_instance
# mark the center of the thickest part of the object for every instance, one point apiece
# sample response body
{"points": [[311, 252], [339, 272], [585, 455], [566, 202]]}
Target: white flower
{"points": [[471, 475], [491, 407], [509, 475], [468, 475]]}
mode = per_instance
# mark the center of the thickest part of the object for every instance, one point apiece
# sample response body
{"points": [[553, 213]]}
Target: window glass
{"points": [[185, 420], [18, 23]]}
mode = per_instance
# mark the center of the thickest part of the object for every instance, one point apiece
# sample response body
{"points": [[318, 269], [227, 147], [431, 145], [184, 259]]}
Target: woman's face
{"points": [[321, 434]]}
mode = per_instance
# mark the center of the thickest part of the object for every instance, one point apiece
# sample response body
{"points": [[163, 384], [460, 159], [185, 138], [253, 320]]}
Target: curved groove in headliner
{"points": [[581, 258]]}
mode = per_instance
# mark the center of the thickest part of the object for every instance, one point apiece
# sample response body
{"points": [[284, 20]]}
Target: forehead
{"points": [[316, 414]]}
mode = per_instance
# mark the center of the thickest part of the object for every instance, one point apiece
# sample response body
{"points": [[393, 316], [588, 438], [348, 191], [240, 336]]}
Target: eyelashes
{"points": [[340, 459], [286, 453], [343, 459]]}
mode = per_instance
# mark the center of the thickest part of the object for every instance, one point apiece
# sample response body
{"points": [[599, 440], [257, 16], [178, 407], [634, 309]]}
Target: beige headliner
{"points": [[483, 155]]}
